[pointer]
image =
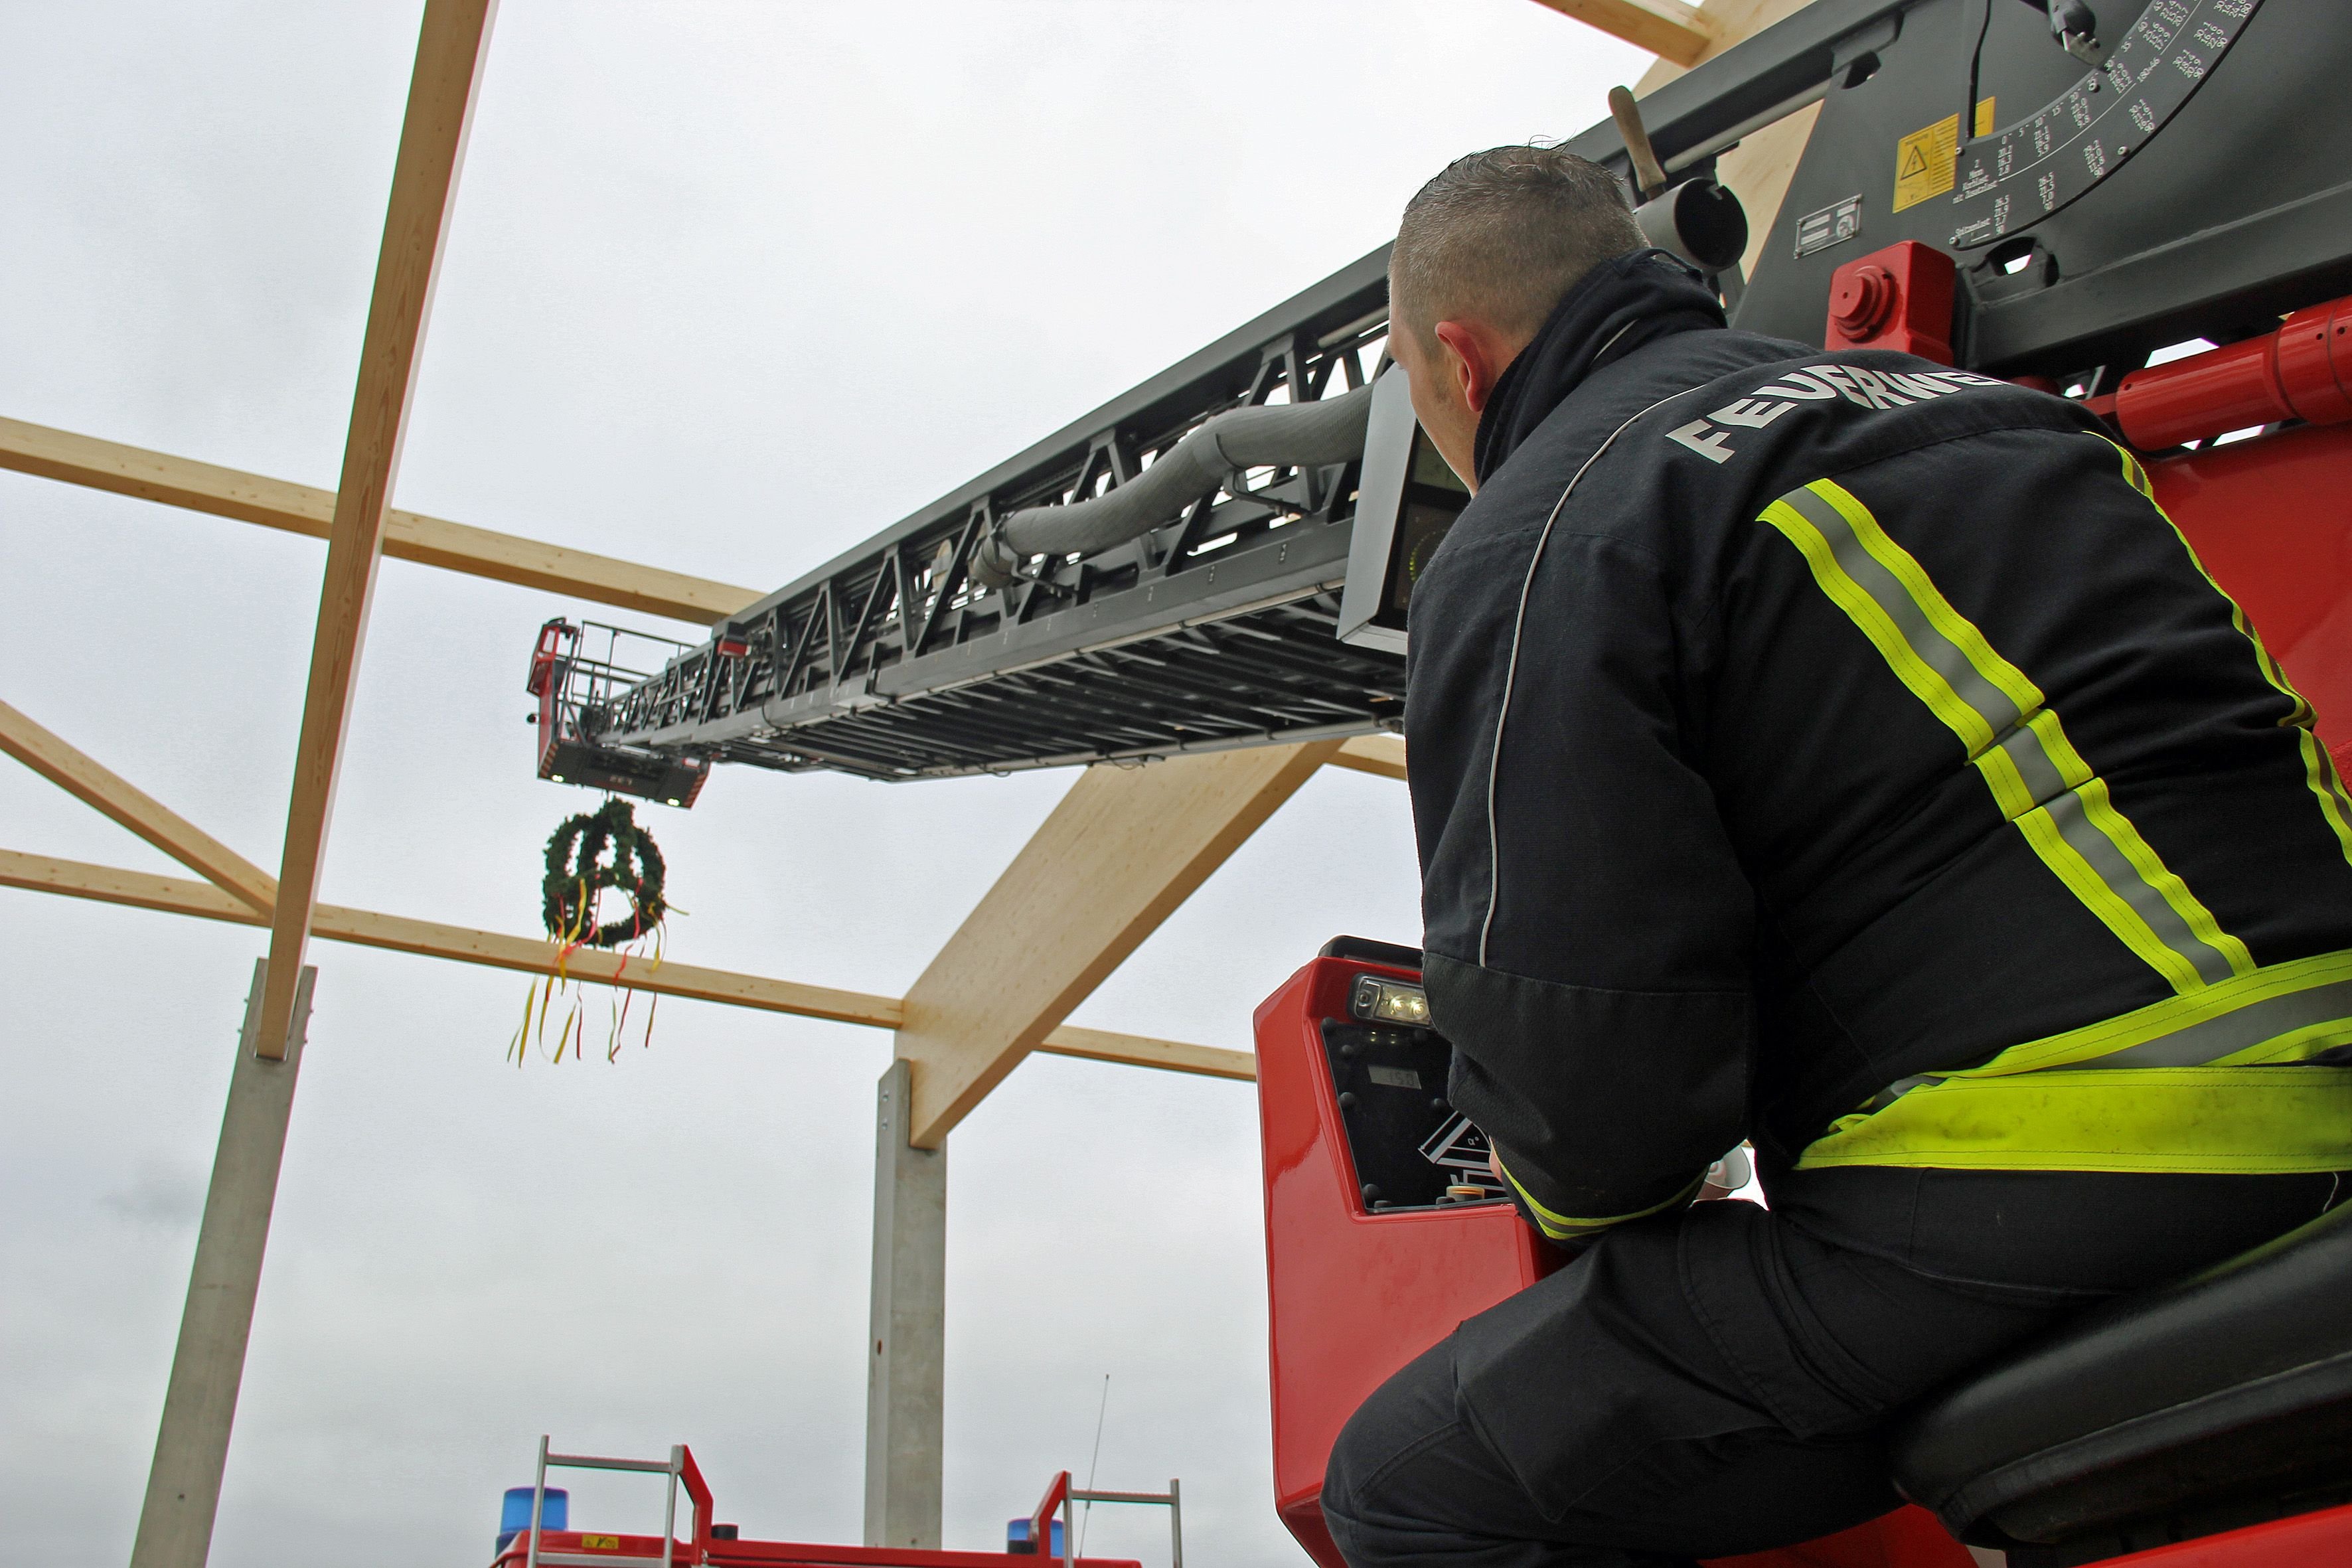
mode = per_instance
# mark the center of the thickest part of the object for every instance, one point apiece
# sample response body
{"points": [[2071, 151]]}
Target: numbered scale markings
{"points": [[2022, 172]]}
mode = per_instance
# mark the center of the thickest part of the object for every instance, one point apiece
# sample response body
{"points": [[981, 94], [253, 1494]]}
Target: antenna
{"points": [[1091, 1464]]}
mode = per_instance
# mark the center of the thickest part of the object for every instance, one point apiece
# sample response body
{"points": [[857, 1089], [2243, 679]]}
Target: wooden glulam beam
{"points": [[432, 939], [1726, 23], [1381, 754], [116, 885], [242, 891], [1667, 29], [1121, 851], [1758, 170], [308, 511], [1137, 1050], [90, 782], [451, 46]]}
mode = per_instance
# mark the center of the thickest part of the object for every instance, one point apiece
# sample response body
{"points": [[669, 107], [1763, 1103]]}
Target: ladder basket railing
{"points": [[679, 1467], [1062, 1497]]}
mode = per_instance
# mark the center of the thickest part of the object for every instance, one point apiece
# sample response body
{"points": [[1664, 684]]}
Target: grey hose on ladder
{"points": [[1288, 435]]}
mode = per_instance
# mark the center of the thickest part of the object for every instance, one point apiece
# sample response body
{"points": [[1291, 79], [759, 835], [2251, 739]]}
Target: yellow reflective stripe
{"points": [[2220, 1120], [2154, 873], [2179, 1085], [1567, 1227], [2037, 777], [2074, 772], [2098, 896], [1937, 670], [2319, 772], [2237, 1020], [2319, 769], [2138, 476], [2042, 786], [2009, 680], [2005, 775]]}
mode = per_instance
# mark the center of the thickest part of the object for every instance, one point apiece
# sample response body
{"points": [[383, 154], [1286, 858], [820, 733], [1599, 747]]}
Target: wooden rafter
{"points": [[1726, 23], [450, 48], [432, 939], [1381, 754], [1667, 29], [1121, 851], [366, 928], [87, 780], [408, 536], [242, 892], [1138, 1050], [1758, 170]]}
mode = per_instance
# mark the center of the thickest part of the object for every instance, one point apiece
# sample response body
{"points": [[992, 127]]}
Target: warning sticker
{"points": [[1922, 160], [603, 1542]]}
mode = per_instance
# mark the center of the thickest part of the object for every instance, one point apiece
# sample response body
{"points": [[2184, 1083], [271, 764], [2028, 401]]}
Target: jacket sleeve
{"points": [[1587, 925]]}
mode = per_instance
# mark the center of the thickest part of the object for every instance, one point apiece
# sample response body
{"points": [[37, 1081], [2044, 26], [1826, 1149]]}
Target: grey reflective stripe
{"points": [[1937, 651], [1899, 1087], [2043, 780], [2064, 807], [2192, 1045], [2124, 880], [1511, 674], [2016, 738], [2239, 1030]]}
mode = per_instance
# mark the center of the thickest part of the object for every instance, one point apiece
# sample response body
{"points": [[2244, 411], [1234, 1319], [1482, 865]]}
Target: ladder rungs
{"points": [[591, 1462]]}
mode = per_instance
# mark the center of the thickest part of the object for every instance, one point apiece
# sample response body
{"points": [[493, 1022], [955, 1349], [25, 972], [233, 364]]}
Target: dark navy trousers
{"points": [[1719, 1380]]}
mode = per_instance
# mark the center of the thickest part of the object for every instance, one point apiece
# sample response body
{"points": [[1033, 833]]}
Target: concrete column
{"points": [[905, 1369], [176, 1527]]}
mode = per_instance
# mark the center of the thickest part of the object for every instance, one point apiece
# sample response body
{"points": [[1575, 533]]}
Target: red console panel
{"points": [[1353, 1294], [1357, 1291]]}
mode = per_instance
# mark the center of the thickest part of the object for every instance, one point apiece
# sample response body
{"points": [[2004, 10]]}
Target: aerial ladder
{"points": [[1221, 556]]}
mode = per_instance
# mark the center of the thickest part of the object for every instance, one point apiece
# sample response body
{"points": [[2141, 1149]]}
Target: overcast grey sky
{"points": [[730, 288]]}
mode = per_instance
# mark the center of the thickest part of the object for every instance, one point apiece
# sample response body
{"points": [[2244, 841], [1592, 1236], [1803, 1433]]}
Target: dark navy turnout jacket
{"points": [[1785, 724]]}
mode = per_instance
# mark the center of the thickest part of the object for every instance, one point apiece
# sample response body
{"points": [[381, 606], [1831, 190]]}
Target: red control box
{"points": [[1899, 298], [1354, 1293]]}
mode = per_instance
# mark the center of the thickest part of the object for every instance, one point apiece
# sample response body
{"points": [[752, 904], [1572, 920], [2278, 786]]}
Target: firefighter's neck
{"points": [[1453, 385]]}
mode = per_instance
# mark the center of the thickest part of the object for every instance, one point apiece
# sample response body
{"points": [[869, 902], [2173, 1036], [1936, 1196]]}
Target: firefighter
{"points": [[1842, 754]]}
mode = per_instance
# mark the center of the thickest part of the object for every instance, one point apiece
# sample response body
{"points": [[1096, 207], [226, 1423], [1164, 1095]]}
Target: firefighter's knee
{"points": [[1374, 1500]]}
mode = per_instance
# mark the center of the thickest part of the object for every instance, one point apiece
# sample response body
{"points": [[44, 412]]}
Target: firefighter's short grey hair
{"points": [[1501, 235]]}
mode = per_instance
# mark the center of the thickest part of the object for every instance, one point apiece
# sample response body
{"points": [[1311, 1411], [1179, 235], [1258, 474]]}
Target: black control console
{"points": [[1412, 1148]]}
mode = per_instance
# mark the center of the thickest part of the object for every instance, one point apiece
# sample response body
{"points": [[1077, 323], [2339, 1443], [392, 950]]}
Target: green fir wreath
{"points": [[593, 851]]}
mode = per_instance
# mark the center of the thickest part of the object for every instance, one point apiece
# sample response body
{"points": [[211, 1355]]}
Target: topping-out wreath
{"points": [[593, 851], [592, 854]]}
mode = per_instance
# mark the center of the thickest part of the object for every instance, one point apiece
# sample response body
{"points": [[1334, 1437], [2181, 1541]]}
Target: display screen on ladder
{"points": [[1406, 500]]}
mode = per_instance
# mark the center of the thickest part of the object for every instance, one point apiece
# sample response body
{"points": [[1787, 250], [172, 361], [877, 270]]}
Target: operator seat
{"points": [[2205, 1405]]}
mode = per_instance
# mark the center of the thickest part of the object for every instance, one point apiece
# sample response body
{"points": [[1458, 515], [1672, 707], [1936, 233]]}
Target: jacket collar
{"points": [[1613, 310]]}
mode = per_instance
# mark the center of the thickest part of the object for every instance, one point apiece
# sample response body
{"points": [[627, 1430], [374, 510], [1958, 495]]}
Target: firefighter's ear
{"points": [[1475, 355]]}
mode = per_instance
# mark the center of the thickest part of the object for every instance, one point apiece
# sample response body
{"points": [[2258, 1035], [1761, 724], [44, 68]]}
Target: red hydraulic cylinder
{"points": [[2300, 372]]}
